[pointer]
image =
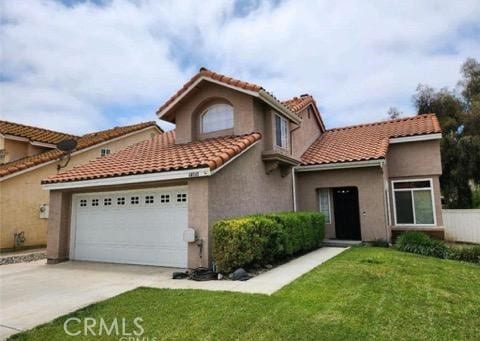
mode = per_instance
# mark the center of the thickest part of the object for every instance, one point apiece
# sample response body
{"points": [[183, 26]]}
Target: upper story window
{"points": [[281, 132], [217, 117], [104, 151]]}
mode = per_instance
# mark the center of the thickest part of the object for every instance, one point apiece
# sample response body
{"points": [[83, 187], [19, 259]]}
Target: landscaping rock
{"points": [[240, 275], [23, 258]]}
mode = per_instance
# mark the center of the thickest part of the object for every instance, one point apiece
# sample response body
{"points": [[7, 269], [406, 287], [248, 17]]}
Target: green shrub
{"points": [[465, 253], [265, 238], [420, 243]]}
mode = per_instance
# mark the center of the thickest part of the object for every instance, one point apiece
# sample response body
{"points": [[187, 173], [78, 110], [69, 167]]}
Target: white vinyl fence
{"points": [[462, 225]]}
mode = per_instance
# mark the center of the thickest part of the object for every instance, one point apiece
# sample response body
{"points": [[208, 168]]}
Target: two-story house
{"points": [[30, 154], [238, 150]]}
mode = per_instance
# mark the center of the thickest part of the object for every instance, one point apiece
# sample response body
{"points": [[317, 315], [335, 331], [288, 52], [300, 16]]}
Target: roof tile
{"points": [[83, 142], [160, 154], [34, 134], [366, 141]]}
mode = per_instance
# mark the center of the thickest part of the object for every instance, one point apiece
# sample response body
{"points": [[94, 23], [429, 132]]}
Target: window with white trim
{"points": [[121, 201], [134, 200], [324, 203], [165, 198], [281, 132], [217, 117], [149, 199], [104, 152], [94, 202], [107, 202], [413, 202], [83, 203]]}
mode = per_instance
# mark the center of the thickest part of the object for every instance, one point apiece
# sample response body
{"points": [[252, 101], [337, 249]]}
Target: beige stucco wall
{"points": [[59, 226], [15, 149], [243, 187], [207, 93], [306, 134], [368, 180], [198, 214], [22, 195], [416, 160]]}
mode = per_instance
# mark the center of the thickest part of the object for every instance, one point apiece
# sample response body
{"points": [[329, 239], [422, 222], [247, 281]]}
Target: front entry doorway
{"points": [[347, 215]]}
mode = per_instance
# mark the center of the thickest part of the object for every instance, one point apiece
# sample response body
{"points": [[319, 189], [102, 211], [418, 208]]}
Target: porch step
{"points": [[341, 243]]}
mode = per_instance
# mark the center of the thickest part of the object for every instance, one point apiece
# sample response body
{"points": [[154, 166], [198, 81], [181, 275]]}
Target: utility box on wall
{"points": [[43, 211]]}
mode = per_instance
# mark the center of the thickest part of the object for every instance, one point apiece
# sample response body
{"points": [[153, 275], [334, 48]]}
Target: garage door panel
{"points": [[129, 254], [141, 227]]}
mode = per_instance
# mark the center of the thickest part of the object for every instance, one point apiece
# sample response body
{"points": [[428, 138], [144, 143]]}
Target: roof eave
{"points": [[274, 103], [415, 138], [129, 179], [341, 165]]}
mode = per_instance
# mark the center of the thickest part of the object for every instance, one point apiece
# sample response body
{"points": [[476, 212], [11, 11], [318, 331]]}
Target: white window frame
{"points": [[283, 131], [329, 221], [413, 201], [205, 112]]}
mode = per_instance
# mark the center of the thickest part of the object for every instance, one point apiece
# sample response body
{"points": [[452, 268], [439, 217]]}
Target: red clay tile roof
{"points": [[83, 142], [213, 75], [297, 104], [217, 77], [160, 154], [366, 141], [32, 133]]}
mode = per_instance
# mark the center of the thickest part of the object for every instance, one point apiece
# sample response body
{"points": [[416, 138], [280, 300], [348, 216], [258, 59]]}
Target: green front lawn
{"points": [[364, 293]]}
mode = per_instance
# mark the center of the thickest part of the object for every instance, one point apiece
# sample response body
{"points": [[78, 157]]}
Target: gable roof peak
{"points": [[227, 81]]}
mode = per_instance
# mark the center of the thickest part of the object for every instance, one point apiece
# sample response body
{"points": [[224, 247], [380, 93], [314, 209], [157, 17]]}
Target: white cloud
{"points": [[67, 64]]}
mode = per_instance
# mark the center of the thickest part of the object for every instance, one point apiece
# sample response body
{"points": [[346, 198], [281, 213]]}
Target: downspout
{"points": [[387, 202], [294, 192]]}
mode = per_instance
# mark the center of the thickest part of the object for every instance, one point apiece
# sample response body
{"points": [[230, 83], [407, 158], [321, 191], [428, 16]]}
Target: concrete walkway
{"points": [[266, 283], [35, 293]]}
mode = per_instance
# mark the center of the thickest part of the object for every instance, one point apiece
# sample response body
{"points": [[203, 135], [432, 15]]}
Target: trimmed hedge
{"points": [[418, 242], [422, 244], [265, 238], [465, 253]]}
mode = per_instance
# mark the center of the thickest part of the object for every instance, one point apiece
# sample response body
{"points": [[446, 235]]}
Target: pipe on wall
{"points": [[294, 192]]}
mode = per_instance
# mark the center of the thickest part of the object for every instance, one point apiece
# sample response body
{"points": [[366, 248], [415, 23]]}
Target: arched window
{"points": [[217, 117]]}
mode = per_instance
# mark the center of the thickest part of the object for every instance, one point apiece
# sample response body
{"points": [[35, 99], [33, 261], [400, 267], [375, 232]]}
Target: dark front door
{"points": [[347, 217]]}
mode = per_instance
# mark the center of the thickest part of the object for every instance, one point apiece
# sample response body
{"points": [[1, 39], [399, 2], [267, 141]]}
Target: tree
{"points": [[393, 113], [459, 117]]}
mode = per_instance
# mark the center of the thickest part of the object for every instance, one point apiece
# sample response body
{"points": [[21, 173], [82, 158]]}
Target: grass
{"points": [[364, 293]]}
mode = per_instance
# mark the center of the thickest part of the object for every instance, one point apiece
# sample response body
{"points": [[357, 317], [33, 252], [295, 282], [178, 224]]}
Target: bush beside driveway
{"points": [[364, 293]]}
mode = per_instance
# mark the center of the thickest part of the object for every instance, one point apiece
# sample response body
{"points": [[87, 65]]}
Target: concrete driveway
{"points": [[35, 293]]}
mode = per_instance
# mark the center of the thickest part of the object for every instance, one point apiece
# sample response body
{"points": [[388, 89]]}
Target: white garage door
{"points": [[132, 227]]}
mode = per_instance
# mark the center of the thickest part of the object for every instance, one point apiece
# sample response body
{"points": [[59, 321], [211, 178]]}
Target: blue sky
{"points": [[79, 66]]}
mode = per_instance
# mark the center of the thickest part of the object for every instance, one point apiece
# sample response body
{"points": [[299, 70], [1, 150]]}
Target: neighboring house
{"points": [[238, 150], [30, 156]]}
